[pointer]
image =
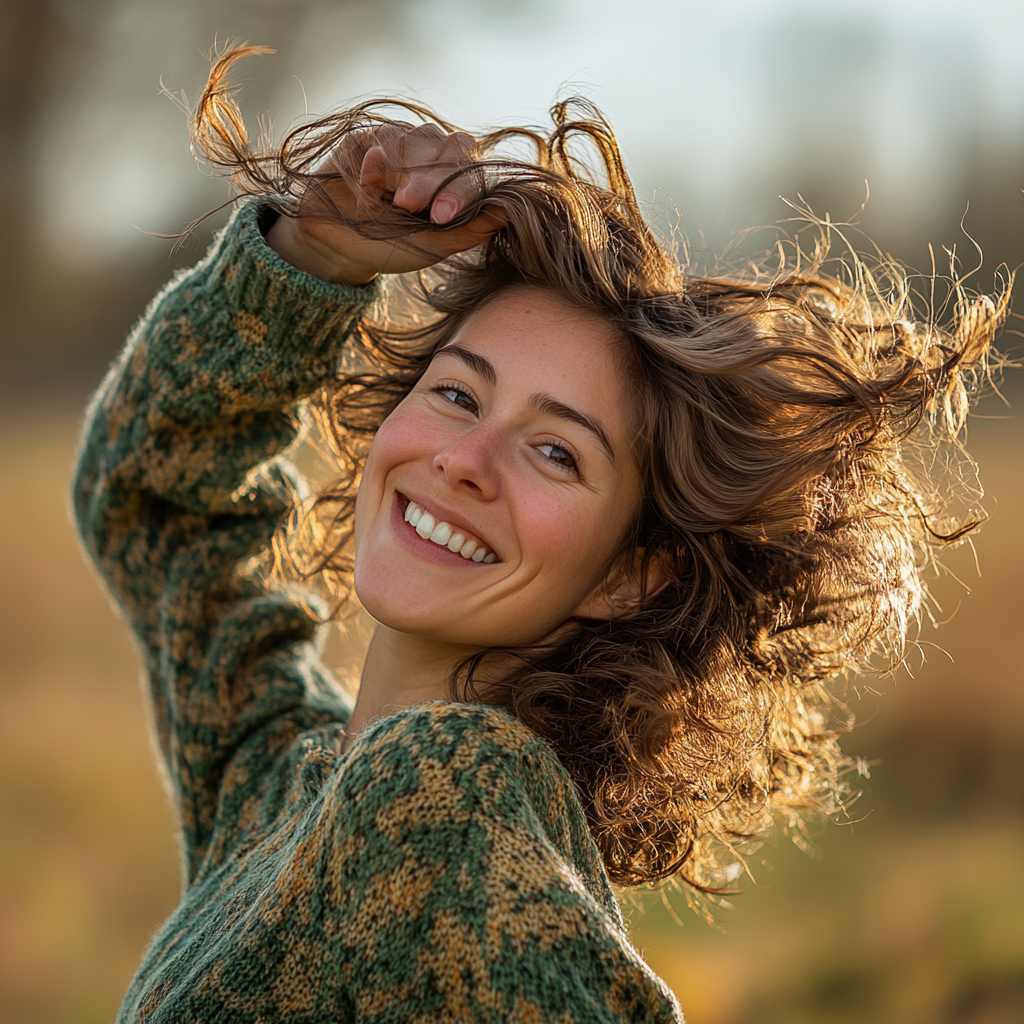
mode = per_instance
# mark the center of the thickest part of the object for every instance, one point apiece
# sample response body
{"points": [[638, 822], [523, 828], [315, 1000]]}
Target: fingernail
{"points": [[443, 211]]}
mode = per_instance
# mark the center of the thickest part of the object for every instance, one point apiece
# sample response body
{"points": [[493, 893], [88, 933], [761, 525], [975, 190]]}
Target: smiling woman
{"points": [[617, 524]]}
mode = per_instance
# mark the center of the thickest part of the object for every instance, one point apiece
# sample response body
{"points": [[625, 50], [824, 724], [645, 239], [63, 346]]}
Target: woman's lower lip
{"points": [[405, 535]]}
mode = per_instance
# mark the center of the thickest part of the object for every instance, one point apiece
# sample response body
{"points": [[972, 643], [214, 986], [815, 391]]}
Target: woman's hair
{"points": [[788, 414]]}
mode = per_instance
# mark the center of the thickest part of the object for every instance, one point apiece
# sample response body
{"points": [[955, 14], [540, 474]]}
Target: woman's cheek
{"points": [[407, 438], [564, 536], [404, 435], [395, 443]]}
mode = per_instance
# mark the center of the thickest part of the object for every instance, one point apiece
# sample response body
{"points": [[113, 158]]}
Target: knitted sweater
{"points": [[441, 869]]}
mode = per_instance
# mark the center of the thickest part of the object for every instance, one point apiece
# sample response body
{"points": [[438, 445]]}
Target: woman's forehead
{"points": [[526, 330]]}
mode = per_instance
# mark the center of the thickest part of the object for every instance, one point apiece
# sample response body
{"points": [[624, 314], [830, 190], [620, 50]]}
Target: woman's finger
{"points": [[413, 167], [459, 150], [425, 161], [383, 158], [373, 171], [489, 221]]}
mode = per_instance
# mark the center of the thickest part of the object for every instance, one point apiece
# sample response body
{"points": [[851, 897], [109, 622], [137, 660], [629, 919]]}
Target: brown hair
{"points": [[784, 415]]}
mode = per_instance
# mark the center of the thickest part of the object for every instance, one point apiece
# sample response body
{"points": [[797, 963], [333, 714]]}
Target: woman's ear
{"points": [[622, 593]]}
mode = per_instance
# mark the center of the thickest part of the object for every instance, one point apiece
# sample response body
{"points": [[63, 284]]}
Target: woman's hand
{"points": [[378, 170]]}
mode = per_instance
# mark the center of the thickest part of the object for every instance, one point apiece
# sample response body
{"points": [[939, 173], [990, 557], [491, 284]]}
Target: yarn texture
{"points": [[441, 869]]}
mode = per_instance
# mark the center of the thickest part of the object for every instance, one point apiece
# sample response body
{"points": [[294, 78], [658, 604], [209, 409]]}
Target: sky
{"points": [[711, 102]]}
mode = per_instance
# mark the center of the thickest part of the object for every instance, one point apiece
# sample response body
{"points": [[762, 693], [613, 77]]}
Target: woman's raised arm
{"points": [[182, 472], [181, 476]]}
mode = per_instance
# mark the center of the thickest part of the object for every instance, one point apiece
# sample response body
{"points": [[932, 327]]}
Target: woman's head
{"points": [[516, 441], [760, 527]]}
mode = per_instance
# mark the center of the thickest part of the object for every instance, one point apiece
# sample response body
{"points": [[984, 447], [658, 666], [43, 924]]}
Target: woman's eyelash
{"points": [[448, 388], [569, 459]]}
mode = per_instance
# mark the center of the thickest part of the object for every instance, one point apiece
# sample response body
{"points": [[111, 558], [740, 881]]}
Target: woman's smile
{"points": [[443, 540]]}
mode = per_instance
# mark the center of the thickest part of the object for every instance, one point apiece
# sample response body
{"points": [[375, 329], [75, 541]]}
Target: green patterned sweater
{"points": [[441, 869]]}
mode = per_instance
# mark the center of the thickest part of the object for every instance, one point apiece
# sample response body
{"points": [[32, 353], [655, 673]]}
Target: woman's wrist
{"points": [[305, 252]]}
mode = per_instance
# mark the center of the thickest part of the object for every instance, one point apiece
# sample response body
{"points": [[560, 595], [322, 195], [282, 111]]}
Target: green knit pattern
{"points": [[441, 869]]}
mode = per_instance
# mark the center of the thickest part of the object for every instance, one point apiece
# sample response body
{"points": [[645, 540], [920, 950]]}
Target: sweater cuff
{"points": [[255, 278]]}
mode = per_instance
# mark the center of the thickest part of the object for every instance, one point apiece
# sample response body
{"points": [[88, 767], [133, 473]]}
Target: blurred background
{"points": [[915, 913]]}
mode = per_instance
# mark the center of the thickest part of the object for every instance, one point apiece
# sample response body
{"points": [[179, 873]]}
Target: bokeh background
{"points": [[912, 914]]}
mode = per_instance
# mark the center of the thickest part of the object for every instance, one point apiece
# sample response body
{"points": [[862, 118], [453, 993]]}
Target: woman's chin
{"points": [[402, 606], [437, 618], [444, 606]]}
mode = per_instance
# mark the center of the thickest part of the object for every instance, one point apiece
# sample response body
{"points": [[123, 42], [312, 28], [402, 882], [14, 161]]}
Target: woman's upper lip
{"points": [[446, 515]]}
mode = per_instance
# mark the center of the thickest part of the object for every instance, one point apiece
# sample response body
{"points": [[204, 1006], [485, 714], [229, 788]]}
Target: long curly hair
{"points": [[787, 415]]}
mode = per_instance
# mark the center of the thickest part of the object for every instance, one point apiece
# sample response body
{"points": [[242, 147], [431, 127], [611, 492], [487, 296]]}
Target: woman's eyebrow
{"points": [[548, 404], [475, 362]]}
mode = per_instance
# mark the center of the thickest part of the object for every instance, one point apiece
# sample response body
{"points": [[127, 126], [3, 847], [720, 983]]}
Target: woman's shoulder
{"points": [[468, 760], [457, 743], [473, 774], [449, 725]]}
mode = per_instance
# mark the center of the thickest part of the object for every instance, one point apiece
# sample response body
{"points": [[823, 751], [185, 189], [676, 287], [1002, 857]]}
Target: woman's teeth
{"points": [[444, 536]]}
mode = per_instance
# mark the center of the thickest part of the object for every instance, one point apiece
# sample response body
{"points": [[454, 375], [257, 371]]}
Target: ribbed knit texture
{"points": [[442, 869]]}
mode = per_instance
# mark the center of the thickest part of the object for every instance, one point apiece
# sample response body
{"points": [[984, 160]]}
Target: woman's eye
{"points": [[456, 396], [558, 455]]}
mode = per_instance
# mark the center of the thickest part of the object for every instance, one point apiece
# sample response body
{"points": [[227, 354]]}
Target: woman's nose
{"points": [[471, 462]]}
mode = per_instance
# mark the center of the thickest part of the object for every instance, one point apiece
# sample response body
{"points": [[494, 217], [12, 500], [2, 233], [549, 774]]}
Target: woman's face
{"points": [[517, 440]]}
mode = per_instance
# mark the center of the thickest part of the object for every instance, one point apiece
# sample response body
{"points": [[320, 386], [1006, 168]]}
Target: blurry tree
{"points": [[64, 318], [27, 31]]}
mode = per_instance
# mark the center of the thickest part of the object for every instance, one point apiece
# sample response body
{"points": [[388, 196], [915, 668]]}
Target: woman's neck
{"points": [[401, 670]]}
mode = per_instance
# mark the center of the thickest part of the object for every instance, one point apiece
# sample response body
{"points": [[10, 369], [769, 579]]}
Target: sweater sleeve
{"points": [[181, 475], [466, 884]]}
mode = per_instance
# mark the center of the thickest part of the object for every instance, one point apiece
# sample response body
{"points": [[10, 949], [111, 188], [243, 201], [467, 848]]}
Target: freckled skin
{"points": [[442, 869], [556, 532]]}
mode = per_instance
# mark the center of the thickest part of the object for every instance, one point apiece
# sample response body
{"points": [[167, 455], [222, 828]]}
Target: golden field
{"points": [[910, 915]]}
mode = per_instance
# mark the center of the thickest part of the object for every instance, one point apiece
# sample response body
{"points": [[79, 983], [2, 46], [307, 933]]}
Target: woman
{"points": [[616, 524]]}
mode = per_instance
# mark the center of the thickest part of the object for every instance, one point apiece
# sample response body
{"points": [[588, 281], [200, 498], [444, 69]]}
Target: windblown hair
{"points": [[786, 417]]}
